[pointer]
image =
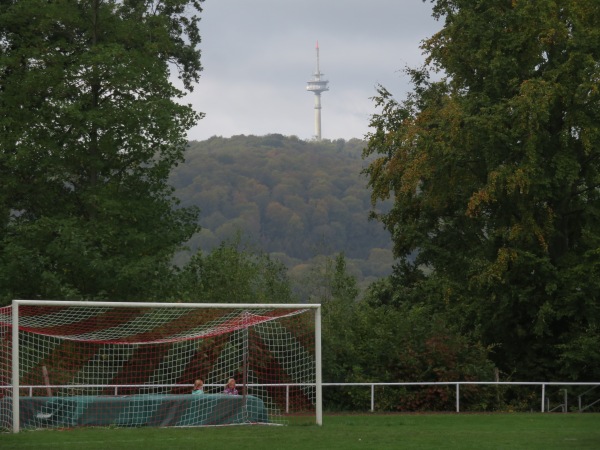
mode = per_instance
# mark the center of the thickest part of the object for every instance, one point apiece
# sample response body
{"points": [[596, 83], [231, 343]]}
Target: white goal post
{"points": [[76, 363]]}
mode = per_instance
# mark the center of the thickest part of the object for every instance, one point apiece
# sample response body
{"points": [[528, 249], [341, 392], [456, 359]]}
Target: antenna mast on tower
{"points": [[317, 85]]}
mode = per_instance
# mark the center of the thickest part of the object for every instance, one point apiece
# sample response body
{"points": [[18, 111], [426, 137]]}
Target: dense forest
{"points": [[295, 200]]}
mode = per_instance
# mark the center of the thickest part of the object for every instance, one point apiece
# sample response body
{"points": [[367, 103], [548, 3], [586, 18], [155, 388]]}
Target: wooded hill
{"points": [[293, 199]]}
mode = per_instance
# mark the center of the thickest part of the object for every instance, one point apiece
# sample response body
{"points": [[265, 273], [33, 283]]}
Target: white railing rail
{"points": [[545, 406], [457, 385]]}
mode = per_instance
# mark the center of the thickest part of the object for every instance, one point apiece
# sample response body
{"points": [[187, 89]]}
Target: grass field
{"points": [[372, 431]]}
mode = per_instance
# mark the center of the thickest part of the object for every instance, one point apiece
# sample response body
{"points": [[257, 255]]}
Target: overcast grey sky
{"points": [[259, 54]]}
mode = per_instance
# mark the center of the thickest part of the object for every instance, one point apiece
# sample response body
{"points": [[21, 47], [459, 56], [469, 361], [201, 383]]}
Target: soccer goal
{"points": [[70, 363]]}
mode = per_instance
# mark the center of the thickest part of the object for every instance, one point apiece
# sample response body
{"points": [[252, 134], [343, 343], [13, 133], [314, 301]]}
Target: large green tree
{"points": [[233, 273], [91, 123], [493, 166]]}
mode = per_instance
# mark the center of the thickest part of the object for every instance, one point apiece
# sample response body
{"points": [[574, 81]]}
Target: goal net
{"points": [[69, 364]]}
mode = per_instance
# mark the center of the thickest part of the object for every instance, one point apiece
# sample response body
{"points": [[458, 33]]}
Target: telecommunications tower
{"points": [[317, 85]]}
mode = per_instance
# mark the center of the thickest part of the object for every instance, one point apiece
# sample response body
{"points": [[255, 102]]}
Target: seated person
{"points": [[230, 387], [198, 387]]}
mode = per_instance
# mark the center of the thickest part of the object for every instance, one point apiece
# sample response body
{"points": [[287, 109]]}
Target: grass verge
{"points": [[369, 431]]}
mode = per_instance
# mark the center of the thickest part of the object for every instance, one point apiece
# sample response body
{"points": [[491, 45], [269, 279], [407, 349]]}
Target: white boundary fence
{"points": [[458, 384], [544, 400]]}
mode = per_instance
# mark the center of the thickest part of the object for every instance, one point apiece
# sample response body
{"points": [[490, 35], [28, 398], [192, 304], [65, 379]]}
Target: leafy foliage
{"points": [[233, 273], [494, 173], [366, 341], [91, 126]]}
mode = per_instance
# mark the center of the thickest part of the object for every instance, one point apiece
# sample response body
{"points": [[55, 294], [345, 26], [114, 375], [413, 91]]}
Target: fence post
{"points": [[565, 410], [372, 397], [543, 395], [287, 398], [457, 397]]}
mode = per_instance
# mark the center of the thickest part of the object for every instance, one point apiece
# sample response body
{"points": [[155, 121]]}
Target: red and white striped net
{"points": [[136, 366]]}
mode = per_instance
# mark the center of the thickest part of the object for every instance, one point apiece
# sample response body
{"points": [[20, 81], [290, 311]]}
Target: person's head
{"points": [[198, 383], [231, 383]]}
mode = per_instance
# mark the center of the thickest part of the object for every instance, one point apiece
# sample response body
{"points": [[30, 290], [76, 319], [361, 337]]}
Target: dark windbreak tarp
{"points": [[140, 410]]}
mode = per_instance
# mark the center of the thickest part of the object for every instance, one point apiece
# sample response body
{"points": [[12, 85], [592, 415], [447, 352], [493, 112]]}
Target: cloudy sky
{"points": [[259, 54]]}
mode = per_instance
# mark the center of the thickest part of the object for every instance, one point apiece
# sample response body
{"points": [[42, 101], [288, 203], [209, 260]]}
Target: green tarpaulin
{"points": [[140, 410]]}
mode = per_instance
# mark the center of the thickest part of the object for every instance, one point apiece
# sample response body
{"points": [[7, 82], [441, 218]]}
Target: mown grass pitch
{"points": [[365, 431]]}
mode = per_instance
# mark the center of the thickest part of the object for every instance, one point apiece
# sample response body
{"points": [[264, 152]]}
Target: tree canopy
{"points": [[493, 166], [91, 126]]}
